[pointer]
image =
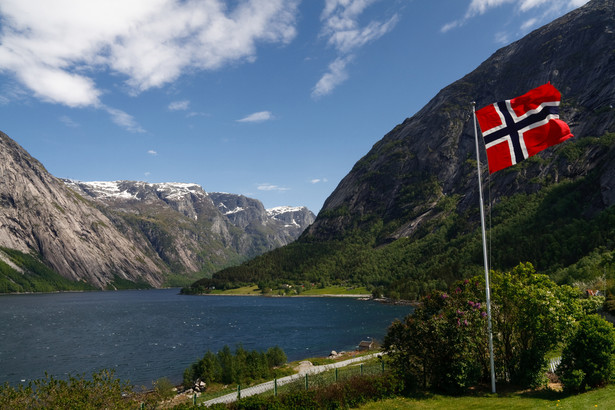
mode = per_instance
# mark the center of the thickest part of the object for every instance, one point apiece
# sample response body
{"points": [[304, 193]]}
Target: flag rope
{"points": [[482, 224]]}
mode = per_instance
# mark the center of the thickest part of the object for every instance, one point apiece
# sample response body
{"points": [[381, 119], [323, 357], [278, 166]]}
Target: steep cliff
{"points": [[265, 229], [429, 156], [40, 215]]}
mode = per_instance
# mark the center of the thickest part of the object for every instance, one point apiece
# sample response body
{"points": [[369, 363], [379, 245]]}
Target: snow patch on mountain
{"points": [[129, 190], [278, 210], [104, 189]]}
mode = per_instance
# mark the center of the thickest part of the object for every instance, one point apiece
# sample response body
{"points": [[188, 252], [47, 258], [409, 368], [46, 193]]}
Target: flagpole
{"points": [[482, 225]]}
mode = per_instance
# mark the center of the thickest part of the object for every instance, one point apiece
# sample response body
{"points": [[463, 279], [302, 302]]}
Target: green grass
{"points": [[336, 290], [245, 290], [330, 290], [600, 398]]}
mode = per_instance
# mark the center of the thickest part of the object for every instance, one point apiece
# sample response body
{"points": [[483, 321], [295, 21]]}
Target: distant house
{"points": [[366, 345]]}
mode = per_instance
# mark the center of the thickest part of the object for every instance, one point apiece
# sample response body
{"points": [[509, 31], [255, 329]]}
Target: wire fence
{"points": [[314, 377], [553, 363]]}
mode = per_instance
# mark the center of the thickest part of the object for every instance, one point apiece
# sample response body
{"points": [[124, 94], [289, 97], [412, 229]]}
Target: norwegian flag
{"points": [[517, 129]]}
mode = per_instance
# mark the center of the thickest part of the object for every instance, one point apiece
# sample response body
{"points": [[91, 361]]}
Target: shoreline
{"points": [[363, 297]]}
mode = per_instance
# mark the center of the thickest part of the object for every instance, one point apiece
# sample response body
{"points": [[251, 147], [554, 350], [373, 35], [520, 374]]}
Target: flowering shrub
{"points": [[443, 345]]}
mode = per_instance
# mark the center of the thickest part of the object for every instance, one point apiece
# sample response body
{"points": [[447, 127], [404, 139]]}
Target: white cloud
{"points": [[529, 23], [66, 120], [341, 25], [179, 105], [197, 114], [271, 187], [547, 9], [53, 50], [502, 37], [257, 117], [318, 180], [336, 75], [152, 152], [124, 120]]}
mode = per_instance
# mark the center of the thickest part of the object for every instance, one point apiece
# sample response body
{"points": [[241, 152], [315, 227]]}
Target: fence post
{"points": [[142, 406], [336, 378], [239, 392], [382, 365], [306, 382], [361, 369], [194, 399], [275, 387]]}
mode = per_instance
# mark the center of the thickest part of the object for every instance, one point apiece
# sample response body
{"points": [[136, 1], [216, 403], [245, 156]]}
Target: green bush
{"points": [[443, 344], [587, 359], [101, 391], [164, 388]]}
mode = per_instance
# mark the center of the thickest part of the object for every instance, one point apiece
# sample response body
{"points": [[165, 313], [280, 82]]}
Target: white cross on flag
{"points": [[517, 129]]}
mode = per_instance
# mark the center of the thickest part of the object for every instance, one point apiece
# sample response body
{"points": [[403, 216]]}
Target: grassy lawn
{"points": [[331, 290], [336, 290], [600, 398], [246, 290]]}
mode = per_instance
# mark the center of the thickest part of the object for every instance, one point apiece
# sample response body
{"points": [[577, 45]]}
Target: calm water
{"points": [[145, 335]]}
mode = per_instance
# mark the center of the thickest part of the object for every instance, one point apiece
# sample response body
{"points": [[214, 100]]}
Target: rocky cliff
{"points": [[430, 156], [39, 214], [278, 226]]}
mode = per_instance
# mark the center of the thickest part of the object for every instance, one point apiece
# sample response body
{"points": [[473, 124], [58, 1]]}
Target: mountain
{"points": [[42, 216], [64, 234], [192, 230], [405, 219], [275, 227]]}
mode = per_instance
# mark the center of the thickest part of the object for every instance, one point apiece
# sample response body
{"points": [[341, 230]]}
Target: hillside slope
{"points": [[405, 218]]}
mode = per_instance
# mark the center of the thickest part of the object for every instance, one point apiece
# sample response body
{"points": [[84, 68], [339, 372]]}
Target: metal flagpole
{"points": [[482, 225]]}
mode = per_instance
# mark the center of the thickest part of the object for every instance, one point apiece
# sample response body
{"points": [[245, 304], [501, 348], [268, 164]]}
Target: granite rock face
{"points": [[40, 214]]}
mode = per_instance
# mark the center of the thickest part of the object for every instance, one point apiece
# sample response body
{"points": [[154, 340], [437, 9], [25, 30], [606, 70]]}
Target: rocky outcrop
{"points": [[281, 225]]}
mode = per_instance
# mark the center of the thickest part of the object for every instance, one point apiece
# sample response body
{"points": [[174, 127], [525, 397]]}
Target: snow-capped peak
{"points": [[128, 190], [273, 212]]}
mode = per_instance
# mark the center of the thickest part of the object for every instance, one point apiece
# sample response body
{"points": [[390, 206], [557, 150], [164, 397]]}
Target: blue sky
{"points": [[273, 99]]}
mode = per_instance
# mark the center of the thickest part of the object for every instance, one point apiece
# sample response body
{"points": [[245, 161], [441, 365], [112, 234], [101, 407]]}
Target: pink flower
{"points": [[483, 314], [444, 296], [465, 322]]}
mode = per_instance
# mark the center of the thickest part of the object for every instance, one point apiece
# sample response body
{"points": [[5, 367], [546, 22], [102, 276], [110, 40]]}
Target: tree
{"points": [[587, 359], [276, 356], [531, 315]]}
